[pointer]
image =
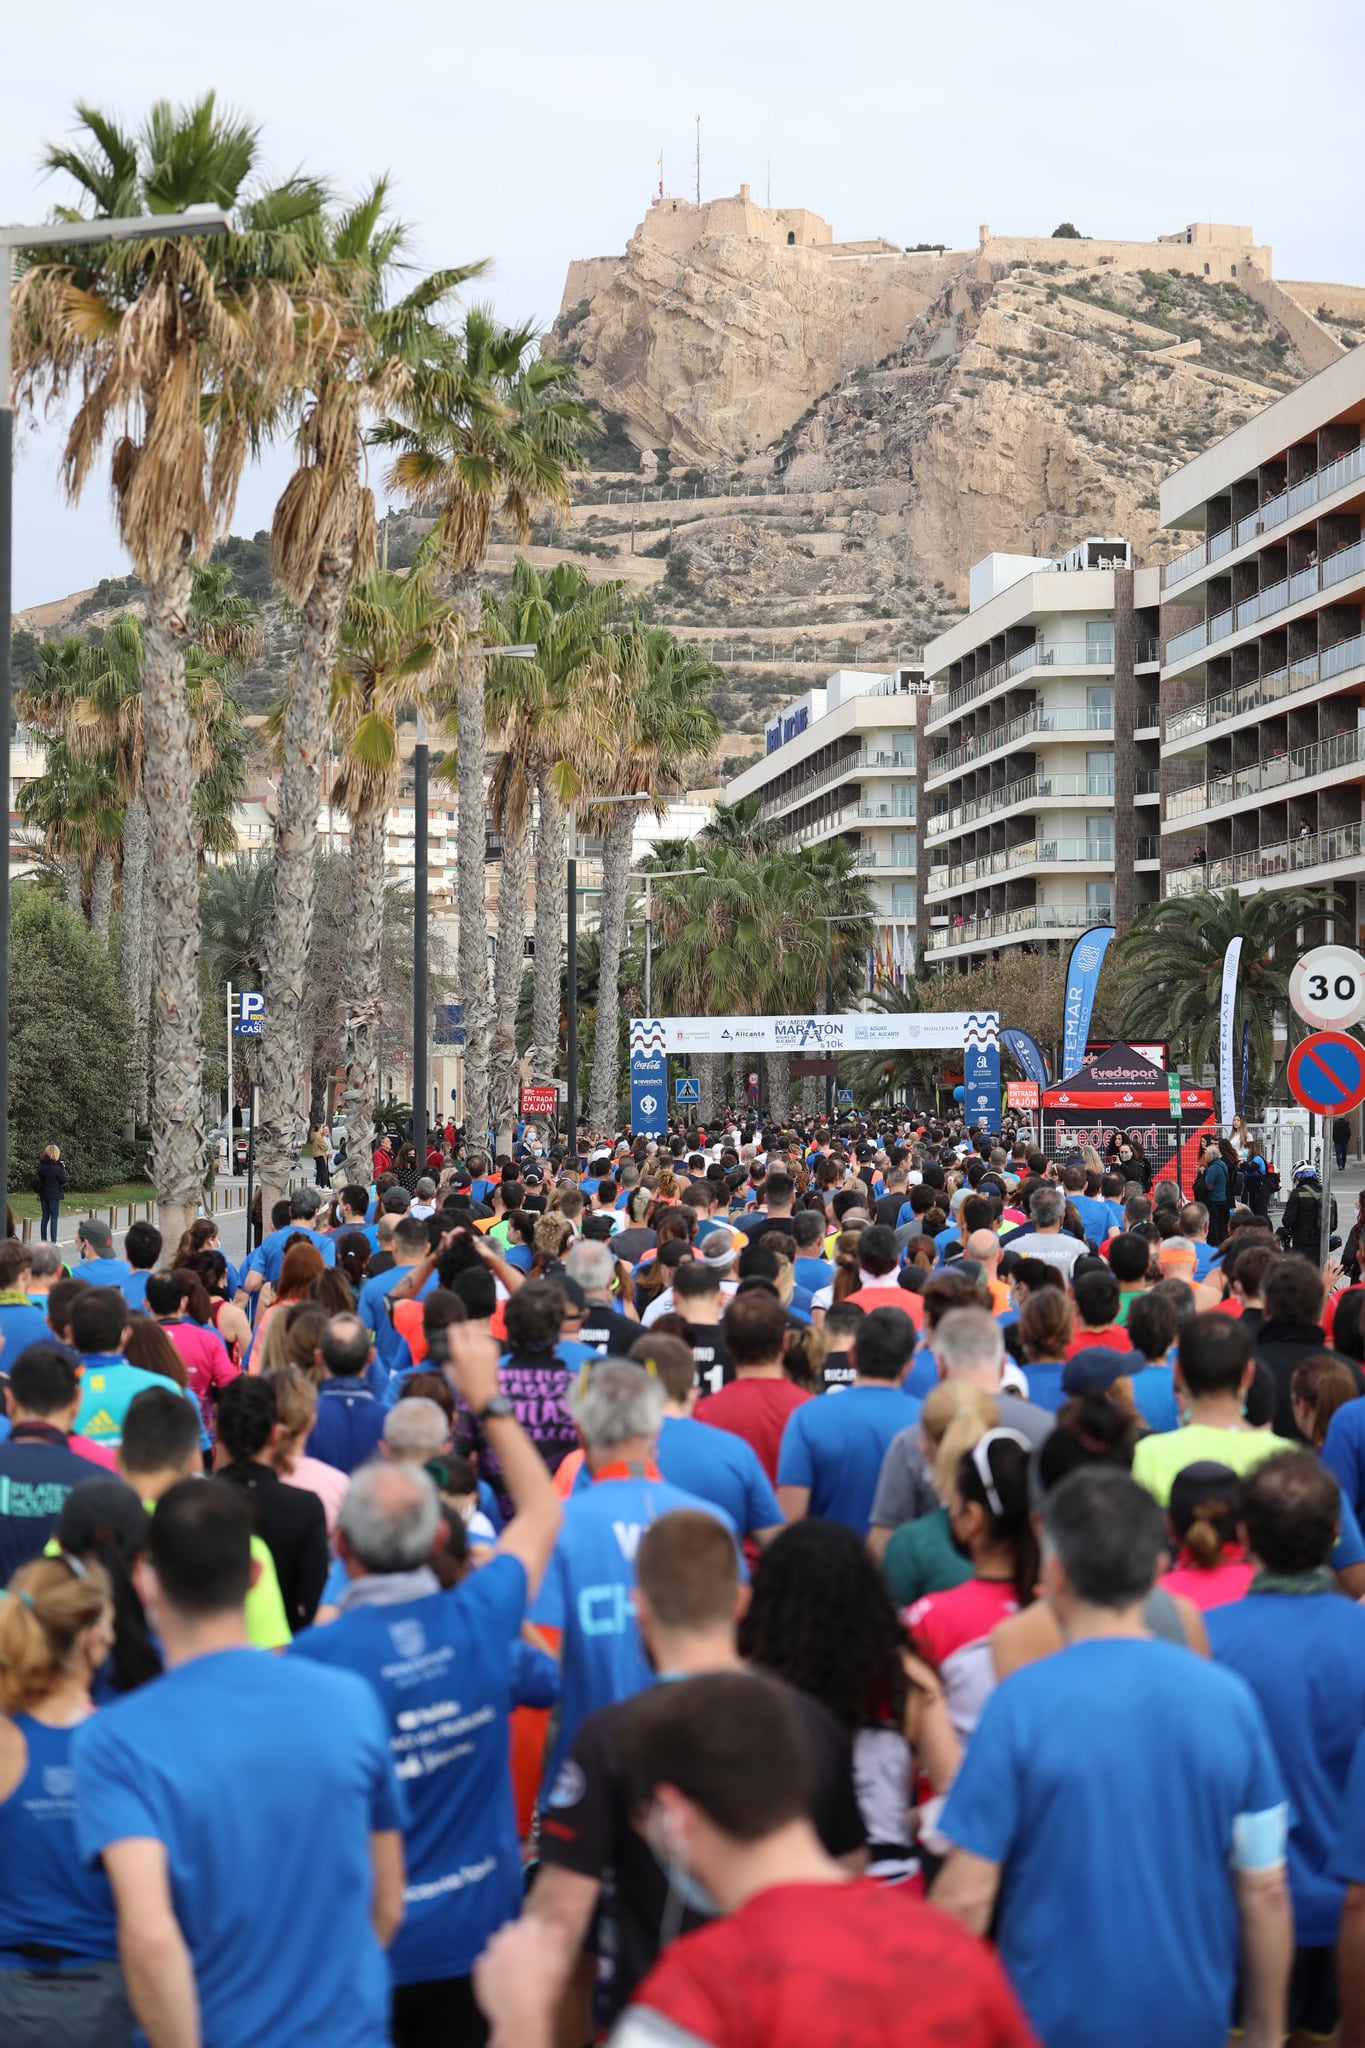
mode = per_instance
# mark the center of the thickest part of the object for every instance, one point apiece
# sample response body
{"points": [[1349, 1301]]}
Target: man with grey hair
{"points": [[604, 1328], [440, 1664], [588, 1587], [350, 1417], [415, 1429], [968, 1348], [45, 1267], [1048, 1240]]}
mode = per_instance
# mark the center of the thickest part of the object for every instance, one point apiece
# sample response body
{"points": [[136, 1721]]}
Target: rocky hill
{"points": [[1038, 392], [808, 443]]}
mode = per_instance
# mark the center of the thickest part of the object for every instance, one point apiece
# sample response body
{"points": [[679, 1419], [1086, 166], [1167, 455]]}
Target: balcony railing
{"points": [[874, 857], [1148, 848], [1076, 719], [1277, 597], [1034, 917], [836, 771], [1063, 655], [1091, 853], [1263, 863], [1300, 764], [1147, 782], [1286, 505], [1269, 689], [1029, 789]]}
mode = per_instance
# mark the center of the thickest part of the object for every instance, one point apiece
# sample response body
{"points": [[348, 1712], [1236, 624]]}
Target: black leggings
{"points": [[439, 2014]]}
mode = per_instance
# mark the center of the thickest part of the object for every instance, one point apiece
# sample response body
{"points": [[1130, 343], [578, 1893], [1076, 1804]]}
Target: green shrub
{"points": [[69, 1073]]}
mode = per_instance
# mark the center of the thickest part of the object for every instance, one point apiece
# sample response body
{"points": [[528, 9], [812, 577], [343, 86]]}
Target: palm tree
{"points": [[488, 429], [397, 636], [107, 721], [541, 718], [179, 351], [661, 722], [1175, 950], [321, 537], [46, 701], [234, 910]]}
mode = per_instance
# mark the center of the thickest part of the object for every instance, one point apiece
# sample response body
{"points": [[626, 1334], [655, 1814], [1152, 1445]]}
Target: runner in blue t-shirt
{"points": [[442, 1665], [832, 1450], [586, 1594], [1301, 1648], [1119, 1810], [185, 1786]]}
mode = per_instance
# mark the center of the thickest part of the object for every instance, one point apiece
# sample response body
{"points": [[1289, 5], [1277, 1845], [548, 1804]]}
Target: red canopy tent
{"points": [[1123, 1094]]}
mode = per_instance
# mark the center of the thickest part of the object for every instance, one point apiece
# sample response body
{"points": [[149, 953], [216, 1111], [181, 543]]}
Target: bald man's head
{"points": [[984, 1247]]}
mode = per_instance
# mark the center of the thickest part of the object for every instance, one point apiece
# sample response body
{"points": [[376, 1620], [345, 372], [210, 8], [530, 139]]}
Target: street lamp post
{"points": [[571, 949], [648, 875], [205, 220], [849, 917]]}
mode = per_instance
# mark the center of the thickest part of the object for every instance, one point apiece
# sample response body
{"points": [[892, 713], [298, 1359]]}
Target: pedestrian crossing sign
{"points": [[687, 1090]]}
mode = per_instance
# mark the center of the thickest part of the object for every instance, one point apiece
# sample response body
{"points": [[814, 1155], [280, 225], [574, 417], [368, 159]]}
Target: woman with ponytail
{"points": [[990, 1523], [1202, 1516], [59, 1976]]}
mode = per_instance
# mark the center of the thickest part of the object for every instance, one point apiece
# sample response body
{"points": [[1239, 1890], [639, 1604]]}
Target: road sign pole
{"points": [[231, 1162], [1325, 1231], [251, 1167]]}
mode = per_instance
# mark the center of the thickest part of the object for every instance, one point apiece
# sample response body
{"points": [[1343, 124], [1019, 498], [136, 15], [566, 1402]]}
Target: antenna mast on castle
{"points": [[699, 159], [661, 174], [770, 184]]}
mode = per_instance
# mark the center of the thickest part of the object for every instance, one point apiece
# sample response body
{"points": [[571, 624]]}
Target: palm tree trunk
{"points": [[509, 963], [74, 884], [469, 801], [282, 1053], [604, 1094], [144, 986], [709, 1069], [178, 1107], [360, 989], [549, 928], [133, 942], [102, 894], [812, 1101], [779, 1077]]}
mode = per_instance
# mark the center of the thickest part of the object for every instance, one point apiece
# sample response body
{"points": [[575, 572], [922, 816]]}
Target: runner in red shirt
{"points": [[808, 1956], [759, 1399]]}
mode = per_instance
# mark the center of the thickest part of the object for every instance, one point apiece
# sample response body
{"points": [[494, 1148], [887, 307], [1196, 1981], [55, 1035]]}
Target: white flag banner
{"points": [[1227, 1099]]}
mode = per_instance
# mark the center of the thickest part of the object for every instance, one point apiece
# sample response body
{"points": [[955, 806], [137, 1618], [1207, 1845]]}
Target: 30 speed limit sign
{"points": [[1327, 988]]}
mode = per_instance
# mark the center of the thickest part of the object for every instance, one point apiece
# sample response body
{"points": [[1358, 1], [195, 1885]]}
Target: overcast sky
{"points": [[531, 135]]}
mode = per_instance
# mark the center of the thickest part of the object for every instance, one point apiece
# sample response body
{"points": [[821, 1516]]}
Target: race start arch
{"points": [[975, 1034]]}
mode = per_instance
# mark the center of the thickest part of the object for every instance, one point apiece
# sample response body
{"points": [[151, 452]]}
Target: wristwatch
{"points": [[495, 1409]]}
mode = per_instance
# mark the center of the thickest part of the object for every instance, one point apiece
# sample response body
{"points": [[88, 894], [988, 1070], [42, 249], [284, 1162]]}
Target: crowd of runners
{"points": [[802, 1588]]}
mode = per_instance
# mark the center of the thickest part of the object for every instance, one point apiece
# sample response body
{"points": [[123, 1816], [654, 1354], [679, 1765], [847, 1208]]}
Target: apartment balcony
{"points": [[1035, 920], [1029, 789], [1268, 863], [1006, 674], [849, 817], [1299, 497], [1344, 750], [1146, 652], [1147, 785], [1263, 691], [1029, 854], [974, 752], [837, 771], [881, 857], [1148, 853], [1278, 597]]}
